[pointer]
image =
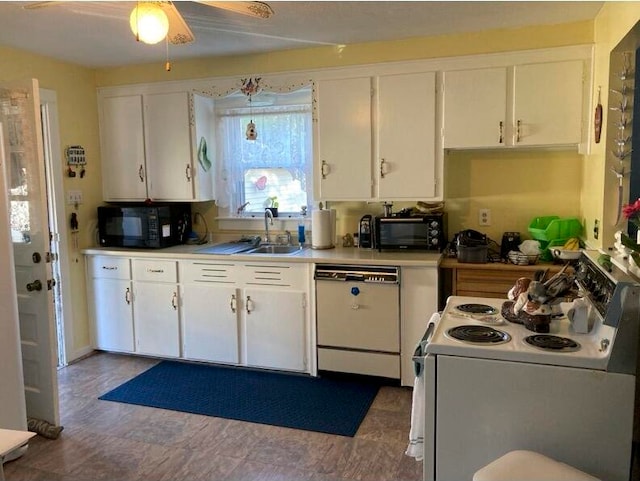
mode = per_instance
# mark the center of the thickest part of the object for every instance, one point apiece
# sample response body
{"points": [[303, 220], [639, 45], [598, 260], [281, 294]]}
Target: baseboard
{"points": [[79, 354]]}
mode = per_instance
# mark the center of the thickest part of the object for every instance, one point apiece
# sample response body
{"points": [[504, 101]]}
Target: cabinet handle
{"points": [[518, 130], [155, 271], [324, 169], [110, 268], [141, 173], [174, 301], [233, 304], [383, 168], [249, 305], [127, 296], [187, 173], [500, 140]]}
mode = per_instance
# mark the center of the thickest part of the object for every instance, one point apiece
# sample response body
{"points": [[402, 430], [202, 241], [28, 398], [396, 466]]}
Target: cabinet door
{"points": [[210, 322], [475, 108], [343, 160], [274, 328], [168, 144], [122, 144], [406, 136], [203, 147], [547, 107], [113, 314], [156, 321]]}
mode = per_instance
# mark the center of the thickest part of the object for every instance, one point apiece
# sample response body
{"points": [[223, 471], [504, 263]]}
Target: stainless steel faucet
{"points": [[268, 220]]}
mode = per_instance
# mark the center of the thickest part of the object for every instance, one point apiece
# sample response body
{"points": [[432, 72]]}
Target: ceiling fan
{"points": [[163, 19]]}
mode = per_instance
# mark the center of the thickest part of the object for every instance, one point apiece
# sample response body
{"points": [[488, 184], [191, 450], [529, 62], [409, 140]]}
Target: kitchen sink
{"points": [[275, 250]]}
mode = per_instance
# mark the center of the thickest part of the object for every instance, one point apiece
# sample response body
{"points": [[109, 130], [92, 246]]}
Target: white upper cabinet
{"points": [[155, 146], [396, 113], [547, 103], [122, 139], [343, 139], [475, 108], [537, 104], [406, 116]]}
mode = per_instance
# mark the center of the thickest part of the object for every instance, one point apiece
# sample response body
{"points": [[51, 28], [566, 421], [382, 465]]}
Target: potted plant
{"points": [[273, 205]]}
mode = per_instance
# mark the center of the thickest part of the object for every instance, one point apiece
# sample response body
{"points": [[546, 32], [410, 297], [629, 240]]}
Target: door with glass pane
{"points": [[22, 132]]}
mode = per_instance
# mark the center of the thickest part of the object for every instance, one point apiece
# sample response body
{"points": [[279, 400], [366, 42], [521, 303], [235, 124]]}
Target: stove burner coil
{"points": [[548, 342], [479, 334], [477, 309]]}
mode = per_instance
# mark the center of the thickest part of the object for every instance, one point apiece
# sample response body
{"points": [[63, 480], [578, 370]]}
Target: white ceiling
{"points": [[96, 34]]}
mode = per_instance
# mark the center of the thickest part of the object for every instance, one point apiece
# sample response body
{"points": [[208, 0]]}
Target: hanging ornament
{"points": [[251, 87]]}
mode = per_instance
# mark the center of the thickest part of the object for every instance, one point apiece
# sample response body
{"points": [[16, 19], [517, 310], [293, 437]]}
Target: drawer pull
{"points": [[110, 268], [127, 296], [233, 304], [249, 305], [155, 271], [174, 301]]}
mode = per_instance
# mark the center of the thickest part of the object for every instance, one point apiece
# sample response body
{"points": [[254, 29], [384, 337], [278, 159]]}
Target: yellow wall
{"points": [[599, 193], [75, 87]]}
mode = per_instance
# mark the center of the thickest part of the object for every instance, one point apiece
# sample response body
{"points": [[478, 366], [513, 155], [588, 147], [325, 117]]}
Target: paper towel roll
{"points": [[323, 226]]}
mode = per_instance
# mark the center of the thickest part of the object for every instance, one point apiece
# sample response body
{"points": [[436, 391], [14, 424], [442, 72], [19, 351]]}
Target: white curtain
{"points": [[284, 141]]}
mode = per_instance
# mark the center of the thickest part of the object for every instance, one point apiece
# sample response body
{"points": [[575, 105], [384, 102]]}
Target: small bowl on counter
{"points": [[566, 254]]}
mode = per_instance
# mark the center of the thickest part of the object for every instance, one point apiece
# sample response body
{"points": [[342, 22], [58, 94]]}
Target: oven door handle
{"points": [[419, 353]]}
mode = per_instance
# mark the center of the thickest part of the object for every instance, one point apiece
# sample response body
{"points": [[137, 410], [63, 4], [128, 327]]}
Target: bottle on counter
{"points": [[302, 226]]}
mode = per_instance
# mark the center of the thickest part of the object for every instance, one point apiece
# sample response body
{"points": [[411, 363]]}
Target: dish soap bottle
{"points": [[301, 226]]}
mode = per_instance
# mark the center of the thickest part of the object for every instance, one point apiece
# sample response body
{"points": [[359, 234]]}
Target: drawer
{"points": [[493, 282], [274, 274], [155, 270], [212, 272], [108, 267]]}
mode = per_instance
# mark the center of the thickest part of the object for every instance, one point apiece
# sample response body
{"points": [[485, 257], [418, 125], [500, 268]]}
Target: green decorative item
{"points": [[203, 159]]}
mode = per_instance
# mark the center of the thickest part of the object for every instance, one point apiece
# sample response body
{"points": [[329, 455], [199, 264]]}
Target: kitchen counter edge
{"points": [[339, 255]]}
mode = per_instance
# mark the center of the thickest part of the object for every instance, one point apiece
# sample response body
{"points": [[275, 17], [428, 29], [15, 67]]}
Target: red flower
{"points": [[632, 211]]}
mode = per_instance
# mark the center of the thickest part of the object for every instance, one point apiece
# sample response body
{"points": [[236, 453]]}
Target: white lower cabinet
{"points": [[274, 328], [209, 311], [156, 307], [247, 314], [109, 291]]}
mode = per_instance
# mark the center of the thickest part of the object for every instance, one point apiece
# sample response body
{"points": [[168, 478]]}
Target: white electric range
{"points": [[490, 388]]}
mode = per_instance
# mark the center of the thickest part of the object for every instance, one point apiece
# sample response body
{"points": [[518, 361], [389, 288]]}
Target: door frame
{"points": [[57, 218]]}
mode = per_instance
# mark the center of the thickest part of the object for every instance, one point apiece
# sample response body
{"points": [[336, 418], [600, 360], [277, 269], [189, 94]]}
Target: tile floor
{"points": [[114, 441]]}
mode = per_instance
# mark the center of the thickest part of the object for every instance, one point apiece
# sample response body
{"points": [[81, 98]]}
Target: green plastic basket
{"points": [[553, 228]]}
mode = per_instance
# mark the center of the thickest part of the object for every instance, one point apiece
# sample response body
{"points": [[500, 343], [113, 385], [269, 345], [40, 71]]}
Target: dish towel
{"points": [[416, 433]]}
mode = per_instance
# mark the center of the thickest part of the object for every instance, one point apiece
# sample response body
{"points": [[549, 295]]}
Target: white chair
{"points": [[10, 440], [529, 466]]}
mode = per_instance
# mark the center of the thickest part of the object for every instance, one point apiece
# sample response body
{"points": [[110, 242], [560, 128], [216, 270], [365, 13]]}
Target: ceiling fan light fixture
{"points": [[149, 23]]}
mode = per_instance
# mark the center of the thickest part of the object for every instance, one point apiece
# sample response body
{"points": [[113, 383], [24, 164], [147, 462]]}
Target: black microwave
{"points": [[417, 232], [145, 226]]}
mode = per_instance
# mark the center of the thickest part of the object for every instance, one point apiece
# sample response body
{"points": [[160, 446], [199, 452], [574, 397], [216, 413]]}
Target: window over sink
{"points": [[275, 169]]}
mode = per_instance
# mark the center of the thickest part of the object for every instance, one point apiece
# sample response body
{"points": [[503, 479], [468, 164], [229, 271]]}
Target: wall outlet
{"points": [[74, 197], [484, 217]]}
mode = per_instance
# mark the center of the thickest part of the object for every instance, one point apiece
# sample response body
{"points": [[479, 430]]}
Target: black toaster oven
{"points": [[416, 232]]}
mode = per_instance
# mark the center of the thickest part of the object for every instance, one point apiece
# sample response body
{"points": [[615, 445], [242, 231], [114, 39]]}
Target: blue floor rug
{"points": [[333, 406]]}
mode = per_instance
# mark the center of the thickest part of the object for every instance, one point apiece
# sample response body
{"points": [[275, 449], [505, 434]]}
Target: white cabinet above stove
{"points": [[530, 105]]}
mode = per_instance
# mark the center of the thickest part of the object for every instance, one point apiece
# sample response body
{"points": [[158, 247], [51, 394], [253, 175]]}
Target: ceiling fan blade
{"points": [[179, 31], [35, 5], [253, 9]]}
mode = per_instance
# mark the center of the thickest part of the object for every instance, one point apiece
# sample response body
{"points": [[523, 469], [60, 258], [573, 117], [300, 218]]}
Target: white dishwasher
{"points": [[358, 319]]}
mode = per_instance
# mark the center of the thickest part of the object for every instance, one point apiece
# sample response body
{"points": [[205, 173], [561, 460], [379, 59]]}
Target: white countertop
{"points": [[341, 255]]}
